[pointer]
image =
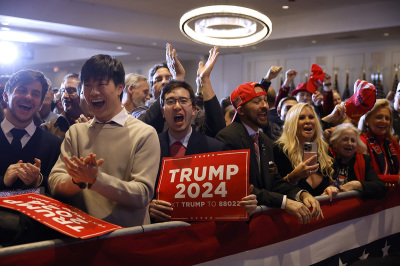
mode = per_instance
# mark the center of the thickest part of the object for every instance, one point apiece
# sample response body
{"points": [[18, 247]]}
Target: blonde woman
{"points": [[302, 125]]}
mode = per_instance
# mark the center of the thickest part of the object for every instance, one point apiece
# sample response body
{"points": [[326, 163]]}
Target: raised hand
{"points": [[290, 75], [174, 66], [204, 70], [272, 73]]}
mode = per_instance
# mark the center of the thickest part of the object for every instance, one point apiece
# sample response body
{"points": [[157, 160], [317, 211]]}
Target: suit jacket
{"points": [[269, 186], [198, 143]]}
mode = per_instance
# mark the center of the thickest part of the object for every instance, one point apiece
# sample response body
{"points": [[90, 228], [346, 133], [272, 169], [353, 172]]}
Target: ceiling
{"points": [[70, 31]]}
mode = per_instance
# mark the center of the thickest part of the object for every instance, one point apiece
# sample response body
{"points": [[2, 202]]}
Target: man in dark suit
{"points": [[27, 152], [178, 108], [250, 103]]}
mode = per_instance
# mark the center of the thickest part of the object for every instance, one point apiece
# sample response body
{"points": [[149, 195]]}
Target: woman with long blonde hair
{"points": [[314, 174]]}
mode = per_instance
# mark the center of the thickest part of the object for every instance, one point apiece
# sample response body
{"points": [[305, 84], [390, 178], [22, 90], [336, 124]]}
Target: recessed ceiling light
{"points": [[154, 43], [5, 23], [386, 34], [138, 58], [285, 7], [4, 28], [119, 47], [313, 41]]}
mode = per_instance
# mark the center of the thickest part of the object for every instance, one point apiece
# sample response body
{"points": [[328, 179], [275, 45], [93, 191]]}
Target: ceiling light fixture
{"points": [[225, 26]]}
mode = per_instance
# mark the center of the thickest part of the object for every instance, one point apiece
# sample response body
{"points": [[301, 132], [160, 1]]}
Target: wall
{"points": [[232, 70]]}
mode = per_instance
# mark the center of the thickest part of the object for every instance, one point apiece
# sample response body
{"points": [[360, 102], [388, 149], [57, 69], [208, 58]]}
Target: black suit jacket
{"points": [[269, 186], [198, 143]]}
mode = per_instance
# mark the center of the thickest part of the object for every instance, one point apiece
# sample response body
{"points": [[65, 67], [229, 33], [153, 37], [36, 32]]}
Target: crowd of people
{"points": [[98, 142]]}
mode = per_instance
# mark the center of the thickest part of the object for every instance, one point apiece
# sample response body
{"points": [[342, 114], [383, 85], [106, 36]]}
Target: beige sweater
{"points": [[125, 182]]}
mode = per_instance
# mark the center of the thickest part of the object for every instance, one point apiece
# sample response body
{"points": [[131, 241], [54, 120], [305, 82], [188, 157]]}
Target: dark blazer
{"points": [[198, 143], [269, 186]]}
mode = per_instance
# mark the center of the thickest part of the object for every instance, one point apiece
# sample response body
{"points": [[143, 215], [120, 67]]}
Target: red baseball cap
{"points": [[244, 93], [362, 101], [299, 88], [316, 79]]}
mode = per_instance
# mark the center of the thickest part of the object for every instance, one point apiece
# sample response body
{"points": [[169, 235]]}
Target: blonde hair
{"points": [[361, 147], [379, 104], [291, 144]]}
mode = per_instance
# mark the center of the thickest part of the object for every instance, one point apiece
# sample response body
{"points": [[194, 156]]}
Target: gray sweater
{"points": [[125, 182]]}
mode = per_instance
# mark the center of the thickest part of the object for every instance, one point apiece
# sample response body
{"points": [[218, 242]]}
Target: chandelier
{"points": [[225, 26]]}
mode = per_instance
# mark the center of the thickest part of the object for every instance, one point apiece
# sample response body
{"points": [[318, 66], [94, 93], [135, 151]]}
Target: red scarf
{"points": [[359, 164], [387, 160]]}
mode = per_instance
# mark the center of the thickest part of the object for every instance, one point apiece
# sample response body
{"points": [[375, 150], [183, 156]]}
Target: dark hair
{"points": [[153, 71], [174, 84], [271, 96], [224, 103], [71, 75], [26, 77], [283, 100], [103, 66]]}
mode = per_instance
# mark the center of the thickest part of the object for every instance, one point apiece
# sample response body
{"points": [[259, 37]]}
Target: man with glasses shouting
{"points": [[71, 105]]}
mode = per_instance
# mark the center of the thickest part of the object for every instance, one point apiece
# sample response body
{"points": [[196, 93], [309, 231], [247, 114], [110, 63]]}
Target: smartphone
{"points": [[310, 149]]}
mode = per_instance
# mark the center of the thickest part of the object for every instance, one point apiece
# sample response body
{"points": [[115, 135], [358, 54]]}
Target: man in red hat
{"points": [[250, 103]]}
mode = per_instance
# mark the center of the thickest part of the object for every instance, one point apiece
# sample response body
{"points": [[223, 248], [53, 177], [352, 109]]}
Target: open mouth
{"points": [[25, 107], [348, 149], [262, 116], [308, 129], [178, 118], [98, 103]]}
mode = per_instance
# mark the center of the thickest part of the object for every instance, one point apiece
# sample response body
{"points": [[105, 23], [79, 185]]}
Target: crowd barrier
{"points": [[271, 237]]}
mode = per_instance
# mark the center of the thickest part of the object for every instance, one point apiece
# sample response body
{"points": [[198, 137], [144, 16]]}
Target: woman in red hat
{"points": [[376, 126]]}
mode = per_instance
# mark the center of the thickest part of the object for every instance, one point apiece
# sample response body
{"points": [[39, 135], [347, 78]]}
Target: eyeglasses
{"points": [[183, 101], [70, 91]]}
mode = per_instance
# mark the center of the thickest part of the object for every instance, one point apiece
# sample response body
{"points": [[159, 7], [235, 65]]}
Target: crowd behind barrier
{"points": [[271, 236]]}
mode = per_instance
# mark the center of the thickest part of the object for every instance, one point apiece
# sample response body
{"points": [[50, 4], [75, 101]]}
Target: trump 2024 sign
{"points": [[206, 187]]}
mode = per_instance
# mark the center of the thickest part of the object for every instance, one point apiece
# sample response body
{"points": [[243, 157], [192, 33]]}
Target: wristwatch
{"points": [[81, 185]]}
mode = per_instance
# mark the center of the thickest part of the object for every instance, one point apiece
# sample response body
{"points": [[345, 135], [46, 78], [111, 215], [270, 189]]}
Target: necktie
{"points": [[177, 149], [17, 135], [256, 148]]}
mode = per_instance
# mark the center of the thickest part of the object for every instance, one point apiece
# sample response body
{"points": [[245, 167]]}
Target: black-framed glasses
{"points": [[183, 101]]}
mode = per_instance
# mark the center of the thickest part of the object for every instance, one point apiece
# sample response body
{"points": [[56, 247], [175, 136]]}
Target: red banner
{"points": [[57, 215], [206, 187]]}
